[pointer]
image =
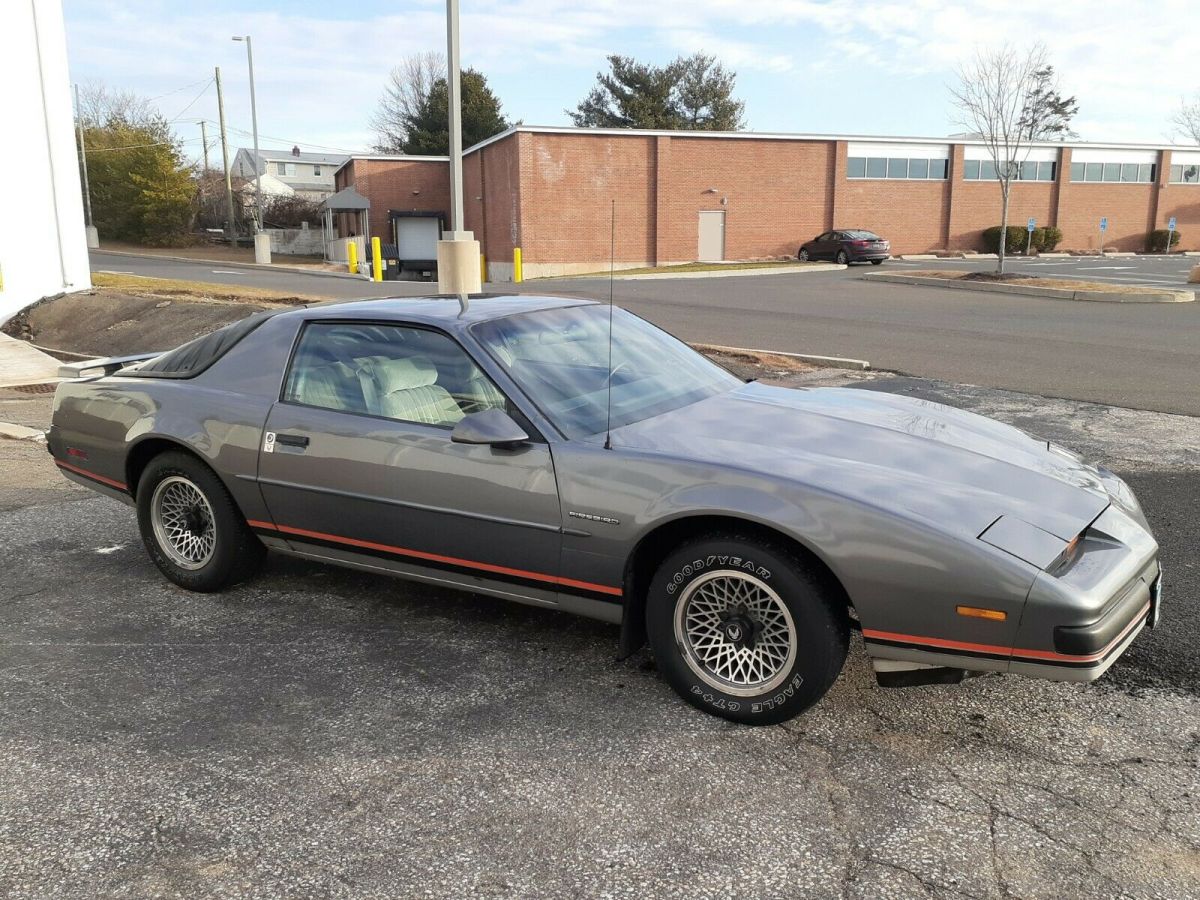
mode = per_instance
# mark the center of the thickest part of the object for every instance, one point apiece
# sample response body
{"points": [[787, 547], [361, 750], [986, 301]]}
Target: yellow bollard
{"points": [[376, 259], [482, 269], [518, 275], [352, 256]]}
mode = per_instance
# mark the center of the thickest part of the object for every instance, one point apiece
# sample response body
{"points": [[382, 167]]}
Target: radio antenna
{"points": [[612, 248]]}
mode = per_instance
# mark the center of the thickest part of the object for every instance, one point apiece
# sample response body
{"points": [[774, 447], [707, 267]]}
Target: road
{"points": [[325, 733], [1142, 356]]}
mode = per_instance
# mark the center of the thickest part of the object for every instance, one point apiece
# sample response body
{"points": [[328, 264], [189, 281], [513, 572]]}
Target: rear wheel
{"points": [[877, 262], [842, 258], [744, 630], [191, 527], [803, 254]]}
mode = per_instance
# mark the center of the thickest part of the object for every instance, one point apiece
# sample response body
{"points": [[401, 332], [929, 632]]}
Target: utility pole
{"points": [[254, 124], [204, 143], [225, 157], [458, 251], [93, 238]]}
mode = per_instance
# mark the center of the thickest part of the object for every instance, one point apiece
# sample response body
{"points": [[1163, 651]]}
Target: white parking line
{"points": [[234, 272], [111, 272], [1102, 268]]}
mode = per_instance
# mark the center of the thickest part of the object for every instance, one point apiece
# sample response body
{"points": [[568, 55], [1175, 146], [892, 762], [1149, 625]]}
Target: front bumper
{"points": [[1078, 622]]}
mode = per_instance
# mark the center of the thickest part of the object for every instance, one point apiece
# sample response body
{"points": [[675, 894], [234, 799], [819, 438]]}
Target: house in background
{"points": [[308, 175]]}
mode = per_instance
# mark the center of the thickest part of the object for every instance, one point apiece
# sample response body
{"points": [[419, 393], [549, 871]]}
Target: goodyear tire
{"points": [[743, 629], [191, 527]]}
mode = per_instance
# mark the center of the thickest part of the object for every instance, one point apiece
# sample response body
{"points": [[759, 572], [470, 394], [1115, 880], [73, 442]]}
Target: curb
{"points": [[833, 362], [1033, 291], [299, 270], [920, 256], [1120, 254], [21, 433], [732, 273]]}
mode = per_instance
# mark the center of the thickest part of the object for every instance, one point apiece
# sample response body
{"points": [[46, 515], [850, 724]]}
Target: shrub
{"points": [[1158, 240], [1046, 239], [1015, 242]]}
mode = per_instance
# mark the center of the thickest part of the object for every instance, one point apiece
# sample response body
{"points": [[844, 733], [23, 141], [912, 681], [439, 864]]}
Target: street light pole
{"points": [[458, 251], [254, 125], [454, 86]]}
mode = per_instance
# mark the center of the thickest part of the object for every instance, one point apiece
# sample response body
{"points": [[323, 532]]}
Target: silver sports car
{"points": [[565, 454]]}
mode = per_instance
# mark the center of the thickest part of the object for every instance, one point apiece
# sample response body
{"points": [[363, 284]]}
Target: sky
{"points": [[878, 67]]}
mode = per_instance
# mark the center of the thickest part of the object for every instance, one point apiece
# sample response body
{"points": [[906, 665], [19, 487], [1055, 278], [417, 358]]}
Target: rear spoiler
{"points": [[98, 368]]}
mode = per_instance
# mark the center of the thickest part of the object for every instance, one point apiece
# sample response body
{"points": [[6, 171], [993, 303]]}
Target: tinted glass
{"points": [[407, 374], [1146, 172], [876, 168], [1076, 171], [938, 168], [1177, 173], [560, 358], [1093, 172], [1046, 171], [1191, 174], [1112, 172], [1028, 171], [918, 168], [856, 167], [987, 170], [971, 169], [860, 235], [897, 168], [1129, 172]]}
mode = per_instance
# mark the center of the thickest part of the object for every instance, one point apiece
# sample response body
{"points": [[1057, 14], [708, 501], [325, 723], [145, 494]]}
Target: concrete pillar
{"points": [[93, 237], [262, 248], [458, 265]]}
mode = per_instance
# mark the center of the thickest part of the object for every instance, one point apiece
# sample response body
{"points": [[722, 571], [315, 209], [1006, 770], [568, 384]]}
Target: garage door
{"points": [[417, 237]]}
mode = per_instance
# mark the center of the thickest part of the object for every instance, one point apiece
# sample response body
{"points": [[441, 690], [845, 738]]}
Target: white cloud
{"points": [[319, 75]]}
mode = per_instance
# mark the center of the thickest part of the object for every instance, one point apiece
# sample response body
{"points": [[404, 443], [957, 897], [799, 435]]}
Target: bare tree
{"points": [[992, 99], [408, 88], [1187, 119], [100, 105]]}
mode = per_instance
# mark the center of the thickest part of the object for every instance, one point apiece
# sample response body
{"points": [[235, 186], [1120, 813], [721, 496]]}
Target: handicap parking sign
{"points": [[1032, 226], [1104, 224], [1171, 224]]}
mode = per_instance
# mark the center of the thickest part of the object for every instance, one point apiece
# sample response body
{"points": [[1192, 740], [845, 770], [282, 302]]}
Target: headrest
{"points": [[403, 374]]}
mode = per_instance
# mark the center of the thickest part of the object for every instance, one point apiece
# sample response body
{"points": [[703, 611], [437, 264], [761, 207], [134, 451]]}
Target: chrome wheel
{"points": [[735, 633], [183, 522]]}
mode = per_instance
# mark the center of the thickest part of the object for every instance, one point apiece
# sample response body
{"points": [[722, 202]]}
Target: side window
{"points": [[407, 374]]}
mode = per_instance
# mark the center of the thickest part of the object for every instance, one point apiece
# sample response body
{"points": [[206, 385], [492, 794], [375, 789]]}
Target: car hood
{"points": [[955, 469]]}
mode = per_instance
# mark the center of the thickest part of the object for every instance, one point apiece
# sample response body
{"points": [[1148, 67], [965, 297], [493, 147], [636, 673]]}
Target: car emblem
{"points": [[733, 631]]}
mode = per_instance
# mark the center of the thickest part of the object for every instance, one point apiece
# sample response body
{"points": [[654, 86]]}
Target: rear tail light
{"points": [[860, 243]]}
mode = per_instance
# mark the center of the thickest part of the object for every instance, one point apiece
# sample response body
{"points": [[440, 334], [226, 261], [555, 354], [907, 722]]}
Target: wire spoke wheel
{"points": [[735, 633], [184, 524]]}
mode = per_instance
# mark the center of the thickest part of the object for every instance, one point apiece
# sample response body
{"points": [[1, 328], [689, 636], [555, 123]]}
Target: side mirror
{"points": [[488, 426]]}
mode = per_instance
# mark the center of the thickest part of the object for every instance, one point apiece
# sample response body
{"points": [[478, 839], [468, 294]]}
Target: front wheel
{"points": [[842, 258], [877, 262], [802, 255], [191, 527], [744, 630]]}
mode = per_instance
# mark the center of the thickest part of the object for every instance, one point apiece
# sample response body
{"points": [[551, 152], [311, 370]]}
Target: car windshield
{"points": [[862, 235], [560, 358]]}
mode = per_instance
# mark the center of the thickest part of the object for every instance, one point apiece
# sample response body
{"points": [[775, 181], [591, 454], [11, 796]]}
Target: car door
{"points": [[357, 464], [825, 246]]}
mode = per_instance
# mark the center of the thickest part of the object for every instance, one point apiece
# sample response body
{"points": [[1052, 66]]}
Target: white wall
{"points": [[43, 250]]}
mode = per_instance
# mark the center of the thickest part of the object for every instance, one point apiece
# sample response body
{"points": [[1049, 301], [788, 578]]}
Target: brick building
{"points": [[681, 196]]}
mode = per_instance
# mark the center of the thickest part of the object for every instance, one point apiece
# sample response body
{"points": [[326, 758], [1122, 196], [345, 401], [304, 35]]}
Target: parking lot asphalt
{"points": [[1146, 271], [321, 733]]}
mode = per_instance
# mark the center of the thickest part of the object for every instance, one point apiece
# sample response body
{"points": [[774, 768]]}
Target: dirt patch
{"points": [[746, 364], [113, 323], [1065, 284]]}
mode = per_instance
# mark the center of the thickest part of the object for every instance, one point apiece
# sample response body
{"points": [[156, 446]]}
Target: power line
{"points": [[203, 91], [177, 90]]}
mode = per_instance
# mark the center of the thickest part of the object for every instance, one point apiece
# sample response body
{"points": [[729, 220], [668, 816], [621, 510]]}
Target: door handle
{"points": [[292, 440]]}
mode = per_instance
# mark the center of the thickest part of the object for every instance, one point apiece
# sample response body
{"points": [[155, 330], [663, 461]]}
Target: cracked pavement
{"points": [[325, 733]]}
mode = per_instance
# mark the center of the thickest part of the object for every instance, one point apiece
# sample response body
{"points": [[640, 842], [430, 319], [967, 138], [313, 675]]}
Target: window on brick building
{"points": [[1114, 173], [1185, 174], [897, 168]]}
